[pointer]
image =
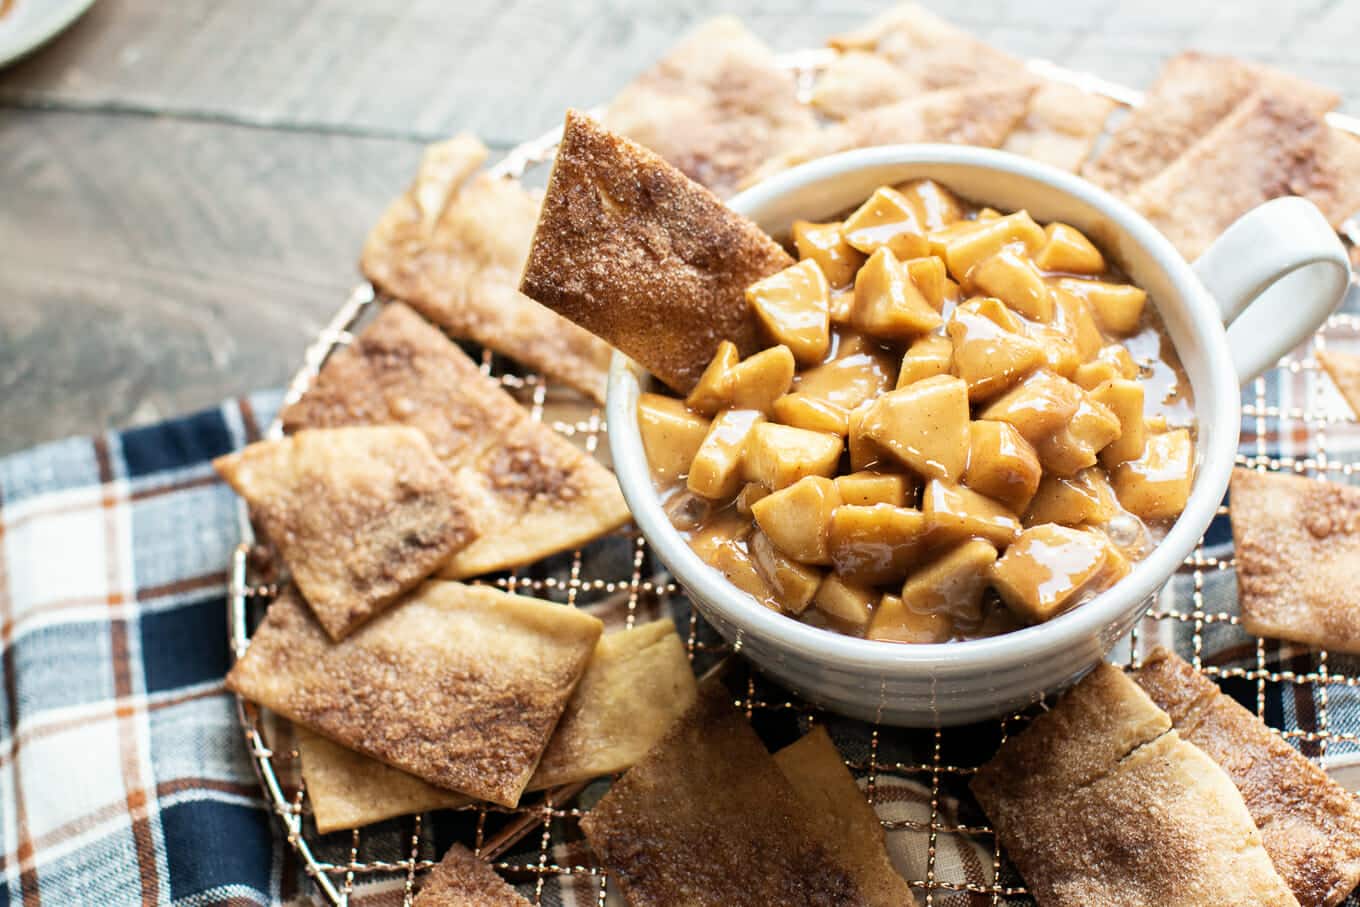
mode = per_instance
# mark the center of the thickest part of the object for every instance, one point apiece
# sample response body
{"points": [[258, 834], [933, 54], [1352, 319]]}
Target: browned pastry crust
{"points": [[533, 492], [715, 106], [1297, 543], [1310, 825], [462, 880], [461, 685], [707, 819], [1060, 126], [1099, 803], [1269, 146], [359, 515], [631, 249], [1193, 92], [1344, 370], [981, 116], [453, 247]]}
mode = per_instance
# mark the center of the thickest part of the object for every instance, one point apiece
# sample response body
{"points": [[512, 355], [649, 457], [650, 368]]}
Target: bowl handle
{"points": [[1277, 273]]}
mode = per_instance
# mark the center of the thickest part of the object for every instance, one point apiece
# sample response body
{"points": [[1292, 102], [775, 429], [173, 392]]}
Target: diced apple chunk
{"points": [[811, 413], [867, 488], [737, 565], [1068, 250], [1011, 278], [779, 455], [925, 425], [887, 302], [952, 585], [860, 372], [991, 352], [935, 205], [956, 513], [1074, 316], [1111, 362], [894, 621], [886, 219], [757, 381], [1061, 355], [846, 602], [671, 435], [1001, 464], [1124, 398], [1040, 406], [798, 518], [792, 583], [875, 544], [1084, 498], [987, 238], [1051, 568], [1118, 307], [1156, 485], [864, 451], [793, 307], [932, 355], [824, 244], [713, 390], [716, 471], [749, 494], [930, 278], [1077, 444]]}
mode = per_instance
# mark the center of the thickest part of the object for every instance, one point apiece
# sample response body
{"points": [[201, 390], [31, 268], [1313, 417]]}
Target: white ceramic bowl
{"points": [[1280, 268]]}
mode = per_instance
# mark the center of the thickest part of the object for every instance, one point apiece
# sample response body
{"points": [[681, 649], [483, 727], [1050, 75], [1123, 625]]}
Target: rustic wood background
{"points": [[184, 186]]}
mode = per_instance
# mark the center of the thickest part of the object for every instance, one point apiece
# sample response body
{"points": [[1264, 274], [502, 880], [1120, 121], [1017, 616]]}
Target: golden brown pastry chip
{"points": [[848, 826], [1060, 126], [707, 819], [461, 685], [359, 515], [715, 106], [638, 683], [463, 880], [1344, 370], [1269, 146], [453, 247], [981, 116], [631, 249], [533, 492], [1310, 825], [1297, 541], [349, 790], [1099, 803], [1193, 92]]}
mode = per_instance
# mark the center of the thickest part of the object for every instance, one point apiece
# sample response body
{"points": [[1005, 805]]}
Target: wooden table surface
{"points": [[184, 186]]}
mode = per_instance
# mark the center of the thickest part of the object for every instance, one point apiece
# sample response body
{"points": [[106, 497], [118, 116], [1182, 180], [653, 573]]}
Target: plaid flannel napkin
{"points": [[123, 775]]}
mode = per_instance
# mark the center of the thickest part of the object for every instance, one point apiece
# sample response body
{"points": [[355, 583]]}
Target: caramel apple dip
{"points": [[961, 422]]}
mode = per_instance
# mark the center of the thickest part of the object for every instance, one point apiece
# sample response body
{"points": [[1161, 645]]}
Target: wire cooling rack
{"points": [[1293, 421]]}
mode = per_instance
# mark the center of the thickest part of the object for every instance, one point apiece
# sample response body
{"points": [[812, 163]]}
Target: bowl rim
{"points": [[1218, 437]]}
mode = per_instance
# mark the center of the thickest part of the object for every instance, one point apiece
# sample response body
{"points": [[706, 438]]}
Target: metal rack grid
{"points": [[539, 845]]}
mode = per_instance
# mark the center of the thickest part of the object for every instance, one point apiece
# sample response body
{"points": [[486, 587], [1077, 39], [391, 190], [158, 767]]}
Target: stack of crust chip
{"points": [[1101, 802], [1297, 543], [715, 106], [634, 251], [1192, 94], [453, 247], [462, 880], [359, 515], [1310, 825], [637, 684], [533, 492], [1344, 370], [460, 686], [708, 819]]}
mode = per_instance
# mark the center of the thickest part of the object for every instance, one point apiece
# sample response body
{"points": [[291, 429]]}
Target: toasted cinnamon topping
{"points": [[534, 492], [462, 880], [632, 250], [1101, 802], [687, 823], [715, 106], [461, 685], [453, 247], [1297, 541], [1310, 825], [1344, 370], [359, 515]]}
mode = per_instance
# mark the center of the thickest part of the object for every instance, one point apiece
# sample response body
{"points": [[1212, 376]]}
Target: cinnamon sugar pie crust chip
{"points": [[1297, 542], [359, 515], [631, 249], [533, 492], [1309, 824], [453, 247], [1344, 370], [1100, 802], [460, 686], [463, 880]]}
